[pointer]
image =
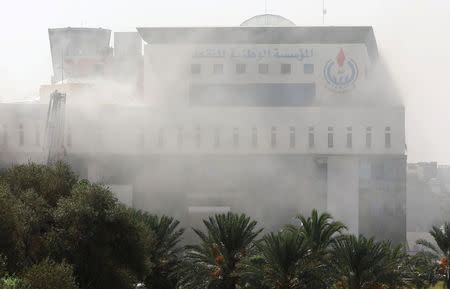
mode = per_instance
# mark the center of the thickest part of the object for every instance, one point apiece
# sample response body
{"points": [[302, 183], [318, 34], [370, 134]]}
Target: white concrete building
{"points": [[266, 119]]}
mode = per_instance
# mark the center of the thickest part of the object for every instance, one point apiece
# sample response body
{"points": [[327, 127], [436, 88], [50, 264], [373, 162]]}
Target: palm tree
{"points": [[165, 253], [320, 231], [441, 252], [361, 263], [213, 263], [284, 262]]}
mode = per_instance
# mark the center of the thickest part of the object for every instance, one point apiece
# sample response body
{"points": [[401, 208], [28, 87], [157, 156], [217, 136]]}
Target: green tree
{"points": [[35, 190], [361, 263], [11, 231], [50, 275], [106, 245], [439, 253], [214, 263], [285, 262], [320, 232], [165, 255]]}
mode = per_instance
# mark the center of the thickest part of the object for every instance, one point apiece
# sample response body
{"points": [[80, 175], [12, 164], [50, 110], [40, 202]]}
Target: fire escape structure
{"points": [[54, 142]]}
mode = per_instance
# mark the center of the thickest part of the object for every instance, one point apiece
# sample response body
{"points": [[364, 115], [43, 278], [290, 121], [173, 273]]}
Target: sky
{"points": [[412, 37]]}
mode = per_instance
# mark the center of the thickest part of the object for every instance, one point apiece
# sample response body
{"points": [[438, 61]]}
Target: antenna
{"points": [[324, 11]]}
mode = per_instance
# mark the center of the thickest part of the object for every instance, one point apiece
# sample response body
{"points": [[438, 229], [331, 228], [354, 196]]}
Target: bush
{"points": [[50, 275]]}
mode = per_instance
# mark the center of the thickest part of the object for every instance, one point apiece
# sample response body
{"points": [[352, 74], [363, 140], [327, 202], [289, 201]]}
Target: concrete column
{"points": [[343, 191]]}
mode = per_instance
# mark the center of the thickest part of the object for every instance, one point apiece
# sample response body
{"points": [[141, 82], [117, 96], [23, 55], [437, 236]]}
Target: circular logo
{"points": [[341, 73]]}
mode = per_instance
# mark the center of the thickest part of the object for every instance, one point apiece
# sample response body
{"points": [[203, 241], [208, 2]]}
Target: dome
{"points": [[267, 20]]}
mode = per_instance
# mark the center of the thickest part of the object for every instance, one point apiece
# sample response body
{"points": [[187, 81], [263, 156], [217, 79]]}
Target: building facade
{"points": [[265, 119]]}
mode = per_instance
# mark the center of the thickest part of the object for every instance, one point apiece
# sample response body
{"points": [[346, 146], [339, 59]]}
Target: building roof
{"points": [[262, 35]]}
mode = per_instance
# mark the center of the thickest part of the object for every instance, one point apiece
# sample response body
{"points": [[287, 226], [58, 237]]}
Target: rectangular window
{"points": [[21, 135], [387, 137], [196, 68], [308, 68], [161, 137], [330, 137], [349, 137], [273, 137], [235, 137], [254, 137], [218, 68], [180, 137], [216, 138], [285, 68], [240, 68], [198, 137], [368, 137], [311, 137], [263, 68], [292, 137]]}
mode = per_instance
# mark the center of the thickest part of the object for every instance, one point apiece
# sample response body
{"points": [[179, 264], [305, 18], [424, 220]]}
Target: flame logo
{"points": [[341, 73], [340, 58]]}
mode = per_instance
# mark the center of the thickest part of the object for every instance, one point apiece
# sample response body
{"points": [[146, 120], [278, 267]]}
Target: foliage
{"points": [[440, 254], [229, 239], [50, 275], [11, 282], [285, 262], [361, 263], [319, 230], [106, 245], [165, 250]]}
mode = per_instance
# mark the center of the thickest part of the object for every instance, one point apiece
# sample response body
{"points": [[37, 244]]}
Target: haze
{"points": [[411, 36]]}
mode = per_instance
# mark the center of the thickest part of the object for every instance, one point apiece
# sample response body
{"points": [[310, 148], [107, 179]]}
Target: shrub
{"points": [[50, 275]]}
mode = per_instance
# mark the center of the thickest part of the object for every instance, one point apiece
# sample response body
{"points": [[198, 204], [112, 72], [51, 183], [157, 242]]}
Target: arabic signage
{"points": [[341, 73], [257, 54]]}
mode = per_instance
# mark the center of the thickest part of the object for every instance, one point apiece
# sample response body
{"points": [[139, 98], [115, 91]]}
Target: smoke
{"points": [[174, 157]]}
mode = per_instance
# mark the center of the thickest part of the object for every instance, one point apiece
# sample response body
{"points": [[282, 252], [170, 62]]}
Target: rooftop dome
{"points": [[268, 20]]}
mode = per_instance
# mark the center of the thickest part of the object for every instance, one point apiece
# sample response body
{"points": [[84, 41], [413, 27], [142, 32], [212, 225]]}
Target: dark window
{"points": [[196, 68], [198, 137], [216, 138], [253, 94], [21, 135], [240, 68], [285, 68], [368, 137], [273, 137], [218, 68], [308, 68], [235, 137], [263, 68], [311, 137], [254, 137], [330, 137], [292, 137], [349, 137], [387, 137], [180, 136]]}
